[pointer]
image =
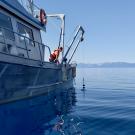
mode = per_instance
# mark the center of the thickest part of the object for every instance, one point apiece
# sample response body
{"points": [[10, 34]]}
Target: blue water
{"points": [[105, 107]]}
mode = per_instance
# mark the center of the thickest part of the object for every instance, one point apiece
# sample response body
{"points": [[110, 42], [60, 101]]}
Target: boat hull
{"points": [[22, 81], [37, 115]]}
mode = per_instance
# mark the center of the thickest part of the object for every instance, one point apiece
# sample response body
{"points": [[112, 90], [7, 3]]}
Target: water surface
{"points": [[105, 107]]}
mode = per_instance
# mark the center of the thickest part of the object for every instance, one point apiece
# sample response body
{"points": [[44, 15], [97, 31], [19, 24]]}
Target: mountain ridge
{"points": [[107, 65]]}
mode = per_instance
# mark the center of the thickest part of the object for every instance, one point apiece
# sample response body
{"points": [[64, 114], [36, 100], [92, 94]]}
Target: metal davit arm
{"points": [[81, 38], [62, 29]]}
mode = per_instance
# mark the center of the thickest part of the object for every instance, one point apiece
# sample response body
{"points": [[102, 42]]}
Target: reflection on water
{"points": [[44, 115], [105, 107]]}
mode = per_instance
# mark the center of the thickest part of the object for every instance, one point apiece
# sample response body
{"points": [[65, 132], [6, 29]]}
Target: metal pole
{"points": [[60, 38], [62, 33], [3, 31], [74, 51], [40, 52], [71, 43], [26, 47], [31, 6], [80, 40]]}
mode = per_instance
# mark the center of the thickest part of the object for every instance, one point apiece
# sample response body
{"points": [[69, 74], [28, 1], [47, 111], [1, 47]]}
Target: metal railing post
{"points": [[26, 47], [5, 39], [40, 52]]}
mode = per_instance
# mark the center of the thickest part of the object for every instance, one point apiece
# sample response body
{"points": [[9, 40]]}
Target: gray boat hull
{"points": [[19, 81], [38, 115]]}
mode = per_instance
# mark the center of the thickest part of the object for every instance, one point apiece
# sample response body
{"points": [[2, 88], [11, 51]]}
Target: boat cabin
{"points": [[20, 31]]}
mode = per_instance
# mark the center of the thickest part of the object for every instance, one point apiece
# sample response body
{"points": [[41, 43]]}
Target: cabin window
{"points": [[27, 35], [6, 27]]}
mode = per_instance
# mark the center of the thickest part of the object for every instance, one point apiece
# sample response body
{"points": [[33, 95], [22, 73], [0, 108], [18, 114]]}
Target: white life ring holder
{"points": [[43, 17]]}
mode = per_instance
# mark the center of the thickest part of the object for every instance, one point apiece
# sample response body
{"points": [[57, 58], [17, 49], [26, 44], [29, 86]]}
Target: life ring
{"points": [[43, 17]]}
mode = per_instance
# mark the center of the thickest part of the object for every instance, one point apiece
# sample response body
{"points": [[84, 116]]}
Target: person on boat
{"points": [[55, 55]]}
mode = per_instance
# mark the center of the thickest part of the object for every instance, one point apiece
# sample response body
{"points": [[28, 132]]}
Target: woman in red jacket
{"points": [[55, 55]]}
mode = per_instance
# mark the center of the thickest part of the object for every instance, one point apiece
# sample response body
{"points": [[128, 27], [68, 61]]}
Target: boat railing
{"points": [[28, 48], [30, 7]]}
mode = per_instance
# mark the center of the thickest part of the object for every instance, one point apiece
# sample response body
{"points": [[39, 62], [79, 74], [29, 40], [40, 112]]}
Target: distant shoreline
{"points": [[107, 65]]}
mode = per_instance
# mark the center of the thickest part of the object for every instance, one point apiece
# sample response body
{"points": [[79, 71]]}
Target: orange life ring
{"points": [[43, 17]]}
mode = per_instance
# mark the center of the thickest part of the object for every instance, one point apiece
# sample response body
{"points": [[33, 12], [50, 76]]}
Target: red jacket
{"points": [[55, 54]]}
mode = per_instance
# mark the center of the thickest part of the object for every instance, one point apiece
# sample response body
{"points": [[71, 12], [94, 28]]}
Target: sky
{"points": [[109, 28]]}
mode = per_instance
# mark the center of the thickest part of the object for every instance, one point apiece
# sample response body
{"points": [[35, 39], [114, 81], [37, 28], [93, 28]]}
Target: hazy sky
{"points": [[109, 26]]}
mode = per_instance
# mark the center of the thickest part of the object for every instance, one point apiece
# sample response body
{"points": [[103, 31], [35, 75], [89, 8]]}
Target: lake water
{"points": [[105, 107]]}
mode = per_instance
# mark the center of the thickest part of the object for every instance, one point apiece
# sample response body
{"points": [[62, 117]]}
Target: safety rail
{"points": [[26, 45], [30, 7]]}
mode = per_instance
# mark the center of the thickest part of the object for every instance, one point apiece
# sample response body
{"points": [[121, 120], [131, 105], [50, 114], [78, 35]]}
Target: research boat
{"points": [[25, 71]]}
